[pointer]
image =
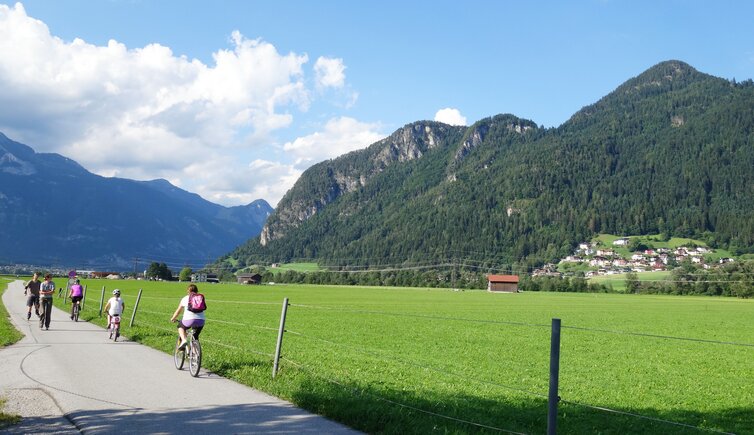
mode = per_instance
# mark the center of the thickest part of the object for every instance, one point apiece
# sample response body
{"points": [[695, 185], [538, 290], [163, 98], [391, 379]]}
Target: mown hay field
{"points": [[407, 360]]}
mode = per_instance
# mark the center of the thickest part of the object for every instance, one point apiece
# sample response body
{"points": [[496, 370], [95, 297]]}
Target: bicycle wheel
{"points": [[76, 313], [195, 358], [117, 333], [179, 355]]}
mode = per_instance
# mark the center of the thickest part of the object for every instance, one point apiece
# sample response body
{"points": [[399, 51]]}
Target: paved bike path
{"points": [[72, 379]]}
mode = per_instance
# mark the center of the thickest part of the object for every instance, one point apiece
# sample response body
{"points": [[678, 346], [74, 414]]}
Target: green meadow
{"points": [[407, 360], [618, 280]]}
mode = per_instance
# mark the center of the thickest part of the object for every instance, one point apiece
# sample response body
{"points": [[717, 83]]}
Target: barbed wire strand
{"points": [[667, 337], [375, 354], [645, 417], [210, 320], [393, 402], [205, 340], [504, 322], [421, 316]]}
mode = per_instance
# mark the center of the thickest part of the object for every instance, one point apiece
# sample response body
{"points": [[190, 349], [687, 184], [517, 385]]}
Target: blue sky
{"points": [[234, 99]]}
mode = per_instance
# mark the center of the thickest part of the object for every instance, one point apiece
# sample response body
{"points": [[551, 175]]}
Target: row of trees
{"points": [[734, 279]]}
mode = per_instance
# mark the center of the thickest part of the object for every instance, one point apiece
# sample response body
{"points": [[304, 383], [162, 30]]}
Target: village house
{"points": [[623, 241]]}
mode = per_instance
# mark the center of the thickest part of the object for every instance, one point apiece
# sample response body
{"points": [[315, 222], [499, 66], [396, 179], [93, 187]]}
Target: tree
{"points": [[185, 274], [632, 282], [159, 271]]}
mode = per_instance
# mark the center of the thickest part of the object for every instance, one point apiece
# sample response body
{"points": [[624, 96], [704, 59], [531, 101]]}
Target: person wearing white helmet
{"points": [[115, 306]]}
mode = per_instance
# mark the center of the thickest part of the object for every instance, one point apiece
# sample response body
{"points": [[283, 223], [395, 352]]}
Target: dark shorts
{"points": [[75, 299], [32, 300]]}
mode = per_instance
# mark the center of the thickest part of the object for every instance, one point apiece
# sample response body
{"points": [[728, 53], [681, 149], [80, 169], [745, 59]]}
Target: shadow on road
{"points": [[244, 418]]}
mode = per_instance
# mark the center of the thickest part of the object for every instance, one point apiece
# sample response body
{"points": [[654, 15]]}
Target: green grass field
{"points": [[296, 267], [8, 334], [400, 360], [618, 281]]}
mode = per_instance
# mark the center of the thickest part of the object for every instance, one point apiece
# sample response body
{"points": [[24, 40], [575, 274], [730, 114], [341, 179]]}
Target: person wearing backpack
{"points": [[193, 306]]}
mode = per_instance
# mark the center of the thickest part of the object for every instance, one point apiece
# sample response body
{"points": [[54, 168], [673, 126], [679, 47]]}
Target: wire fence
{"points": [[388, 357]]}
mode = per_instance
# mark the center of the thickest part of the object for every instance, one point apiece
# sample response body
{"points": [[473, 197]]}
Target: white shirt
{"points": [[189, 315], [116, 306]]}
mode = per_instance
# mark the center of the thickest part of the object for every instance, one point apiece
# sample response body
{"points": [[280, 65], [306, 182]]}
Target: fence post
{"points": [[280, 338], [101, 301], [133, 314], [553, 398], [83, 298]]}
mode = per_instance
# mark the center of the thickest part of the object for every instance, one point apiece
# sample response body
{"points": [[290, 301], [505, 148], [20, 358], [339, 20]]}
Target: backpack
{"points": [[196, 303]]}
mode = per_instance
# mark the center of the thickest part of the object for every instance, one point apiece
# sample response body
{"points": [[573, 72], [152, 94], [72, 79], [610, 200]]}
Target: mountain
{"points": [[670, 151], [53, 211]]}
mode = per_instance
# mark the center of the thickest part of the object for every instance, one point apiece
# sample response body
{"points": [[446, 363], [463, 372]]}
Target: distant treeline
{"points": [[733, 279]]}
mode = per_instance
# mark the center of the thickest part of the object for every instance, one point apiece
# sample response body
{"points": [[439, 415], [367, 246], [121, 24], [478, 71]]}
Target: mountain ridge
{"points": [[666, 151], [54, 210]]}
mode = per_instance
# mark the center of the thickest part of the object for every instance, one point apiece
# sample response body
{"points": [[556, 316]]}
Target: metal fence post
{"points": [[101, 301], [133, 314], [83, 298], [553, 398], [280, 338]]}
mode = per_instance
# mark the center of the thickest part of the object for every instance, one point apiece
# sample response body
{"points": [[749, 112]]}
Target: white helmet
{"points": [[116, 292]]}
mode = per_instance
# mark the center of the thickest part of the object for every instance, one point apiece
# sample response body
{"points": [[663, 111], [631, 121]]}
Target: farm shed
{"points": [[502, 283], [249, 278]]}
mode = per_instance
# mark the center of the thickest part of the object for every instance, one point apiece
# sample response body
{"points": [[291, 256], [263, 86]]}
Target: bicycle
{"points": [[114, 327], [76, 309], [194, 349]]}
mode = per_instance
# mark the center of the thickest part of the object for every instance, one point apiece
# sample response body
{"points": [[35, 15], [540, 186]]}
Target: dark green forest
{"points": [[668, 152]]}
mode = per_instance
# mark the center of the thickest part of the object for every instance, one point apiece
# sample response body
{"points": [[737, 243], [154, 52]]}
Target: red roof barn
{"points": [[502, 283]]}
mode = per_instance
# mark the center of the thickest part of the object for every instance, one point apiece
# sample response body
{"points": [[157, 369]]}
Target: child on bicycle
{"points": [[191, 319], [76, 293], [114, 307]]}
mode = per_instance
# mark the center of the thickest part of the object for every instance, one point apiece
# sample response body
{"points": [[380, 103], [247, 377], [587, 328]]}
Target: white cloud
{"points": [[450, 116], [146, 113], [330, 73], [243, 184], [340, 135]]}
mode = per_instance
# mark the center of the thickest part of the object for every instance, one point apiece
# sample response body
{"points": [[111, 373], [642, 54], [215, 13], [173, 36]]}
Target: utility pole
{"points": [[455, 266]]}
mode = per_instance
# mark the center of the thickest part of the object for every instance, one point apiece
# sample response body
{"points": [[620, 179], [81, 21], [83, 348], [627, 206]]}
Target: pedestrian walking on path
{"points": [[46, 293]]}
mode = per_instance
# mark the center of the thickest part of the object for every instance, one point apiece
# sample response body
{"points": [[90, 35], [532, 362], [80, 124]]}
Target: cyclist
{"points": [[115, 306], [46, 292], [32, 290], [76, 293], [191, 319]]}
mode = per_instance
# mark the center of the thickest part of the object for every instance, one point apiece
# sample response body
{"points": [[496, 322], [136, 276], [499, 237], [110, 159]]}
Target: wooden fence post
{"points": [[553, 398], [136, 306], [279, 345]]}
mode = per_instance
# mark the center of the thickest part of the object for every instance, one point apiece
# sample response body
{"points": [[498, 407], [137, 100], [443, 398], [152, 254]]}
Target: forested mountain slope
{"points": [[670, 151]]}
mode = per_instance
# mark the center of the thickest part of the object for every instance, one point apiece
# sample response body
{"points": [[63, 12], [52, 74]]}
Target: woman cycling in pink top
{"points": [[76, 293]]}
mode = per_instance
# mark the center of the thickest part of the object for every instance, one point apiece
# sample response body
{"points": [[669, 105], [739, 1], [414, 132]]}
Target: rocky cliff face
{"points": [[325, 182]]}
